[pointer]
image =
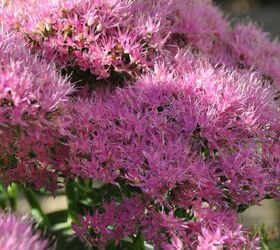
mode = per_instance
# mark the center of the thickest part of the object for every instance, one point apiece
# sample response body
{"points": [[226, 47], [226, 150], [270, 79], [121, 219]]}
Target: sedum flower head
{"points": [[194, 125], [116, 220], [189, 136], [203, 27], [254, 48], [17, 234], [101, 37], [33, 113], [194, 128]]}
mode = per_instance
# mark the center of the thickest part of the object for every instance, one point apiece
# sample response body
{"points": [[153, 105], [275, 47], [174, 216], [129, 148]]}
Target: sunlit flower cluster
{"points": [[185, 137], [184, 127], [100, 36]]}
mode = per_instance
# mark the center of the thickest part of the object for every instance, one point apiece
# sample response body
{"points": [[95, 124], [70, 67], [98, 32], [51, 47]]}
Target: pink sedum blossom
{"points": [[33, 114], [202, 26], [187, 135], [16, 234], [219, 229], [100, 36], [198, 126], [117, 221], [193, 127], [254, 48], [84, 34], [212, 229]]}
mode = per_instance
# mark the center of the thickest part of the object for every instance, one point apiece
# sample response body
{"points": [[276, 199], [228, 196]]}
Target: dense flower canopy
{"points": [[100, 36], [164, 230], [33, 113], [174, 109], [125, 36], [189, 136], [171, 126]]}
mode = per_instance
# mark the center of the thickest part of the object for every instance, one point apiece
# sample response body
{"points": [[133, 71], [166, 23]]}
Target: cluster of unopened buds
{"points": [[163, 100]]}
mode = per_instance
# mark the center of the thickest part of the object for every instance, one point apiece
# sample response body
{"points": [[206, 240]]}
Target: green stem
{"points": [[71, 199], [12, 196]]}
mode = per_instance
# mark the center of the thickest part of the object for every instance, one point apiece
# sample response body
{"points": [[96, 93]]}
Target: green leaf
{"points": [[36, 209], [125, 245], [72, 200], [12, 196], [138, 242], [63, 243], [182, 213], [3, 198], [63, 228], [111, 245], [274, 245], [59, 216], [242, 208]]}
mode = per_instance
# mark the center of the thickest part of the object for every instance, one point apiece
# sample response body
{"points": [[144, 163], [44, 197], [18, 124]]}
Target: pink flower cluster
{"points": [[252, 48], [193, 132], [201, 25], [196, 126], [100, 36], [125, 36], [189, 136], [33, 114], [17, 234], [211, 230]]}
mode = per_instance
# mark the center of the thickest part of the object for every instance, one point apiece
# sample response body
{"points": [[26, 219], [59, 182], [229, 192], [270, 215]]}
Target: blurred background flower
{"points": [[265, 12]]}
